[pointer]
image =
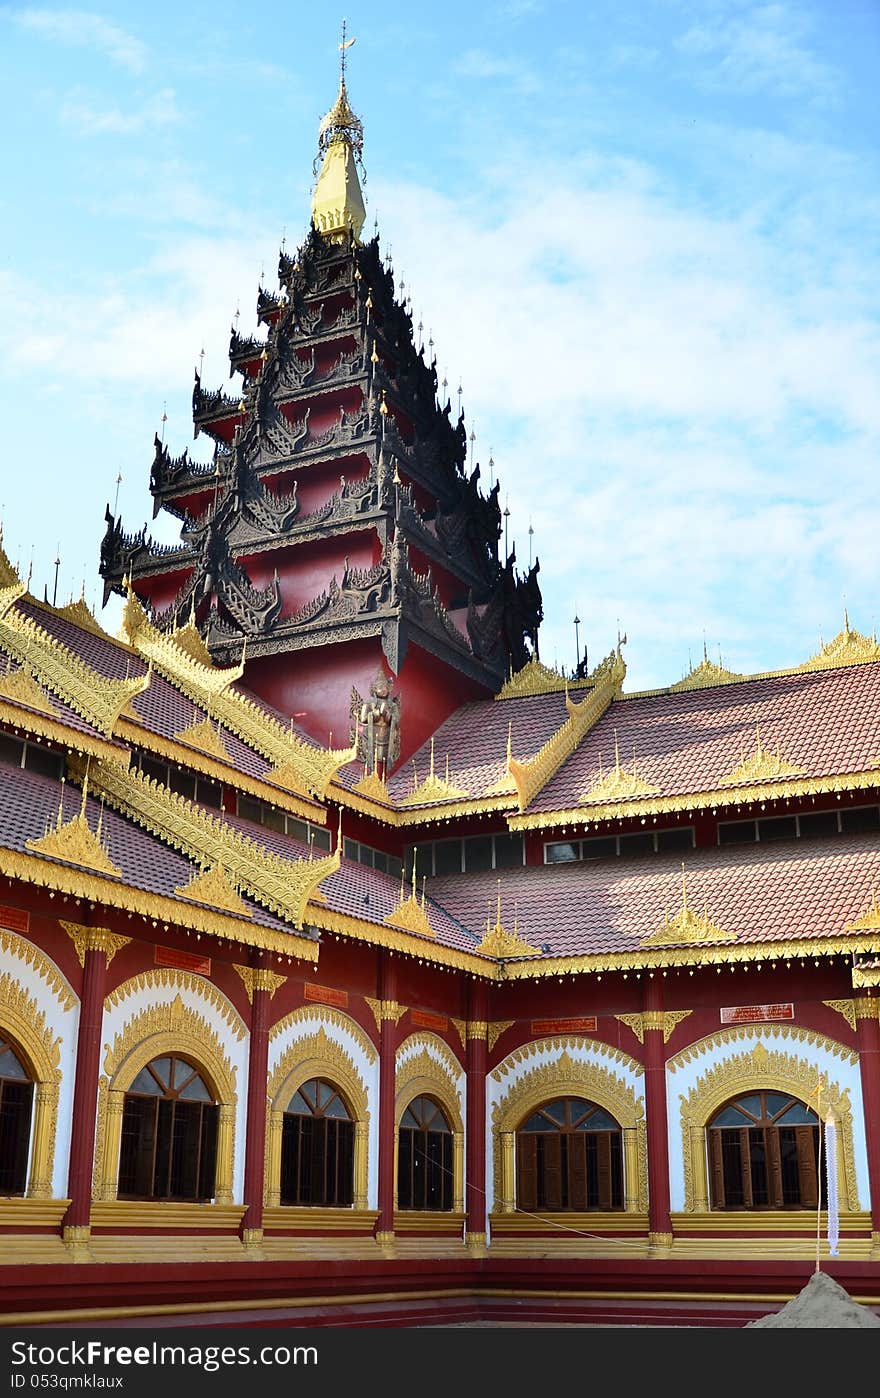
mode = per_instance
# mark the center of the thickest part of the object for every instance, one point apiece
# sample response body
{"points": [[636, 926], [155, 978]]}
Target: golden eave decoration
{"points": [[533, 678], [869, 920], [531, 776], [433, 788], [762, 765], [687, 927], [372, 785], [75, 842], [212, 887], [21, 687], [284, 886], [620, 782], [95, 697], [410, 913], [705, 676], [203, 735], [847, 648], [297, 764], [498, 942]]}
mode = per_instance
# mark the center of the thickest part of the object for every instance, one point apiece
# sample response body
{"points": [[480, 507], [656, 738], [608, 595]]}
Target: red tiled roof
{"points": [[798, 890], [474, 738], [822, 723]]}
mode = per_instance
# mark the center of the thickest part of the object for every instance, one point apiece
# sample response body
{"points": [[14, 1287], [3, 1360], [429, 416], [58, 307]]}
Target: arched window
{"points": [[317, 1148], [424, 1157], [169, 1134], [764, 1154], [569, 1155], [16, 1106]]}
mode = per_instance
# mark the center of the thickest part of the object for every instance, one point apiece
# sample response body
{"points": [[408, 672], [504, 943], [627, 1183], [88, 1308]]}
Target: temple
{"points": [[358, 967]]}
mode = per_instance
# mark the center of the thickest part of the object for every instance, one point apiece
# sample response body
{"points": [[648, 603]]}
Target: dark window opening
{"points": [[764, 1154], [569, 1157], [317, 1148], [16, 1108], [169, 1134], [424, 1157]]}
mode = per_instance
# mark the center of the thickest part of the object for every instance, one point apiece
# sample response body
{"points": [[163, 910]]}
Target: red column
{"points": [[263, 985], [868, 1030], [659, 1221], [92, 949], [389, 1014], [477, 1057]]}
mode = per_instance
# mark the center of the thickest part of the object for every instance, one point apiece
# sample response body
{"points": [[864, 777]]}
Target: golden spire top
{"points": [[337, 203]]}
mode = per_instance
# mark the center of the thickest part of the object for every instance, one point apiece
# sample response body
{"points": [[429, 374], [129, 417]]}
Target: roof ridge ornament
{"points": [[687, 926], [500, 943], [762, 765]]}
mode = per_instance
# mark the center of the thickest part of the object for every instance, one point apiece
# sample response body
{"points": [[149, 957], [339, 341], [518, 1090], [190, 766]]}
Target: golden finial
{"points": [[383, 407], [337, 203]]}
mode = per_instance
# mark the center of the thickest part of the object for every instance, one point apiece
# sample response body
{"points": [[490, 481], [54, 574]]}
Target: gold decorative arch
{"points": [[23, 1020], [755, 1069], [423, 1073], [315, 1056], [570, 1077], [327, 1015], [172, 1027]]}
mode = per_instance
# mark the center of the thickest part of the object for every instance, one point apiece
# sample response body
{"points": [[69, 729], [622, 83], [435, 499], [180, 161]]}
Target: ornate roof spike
{"points": [[337, 203], [500, 943], [687, 927]]}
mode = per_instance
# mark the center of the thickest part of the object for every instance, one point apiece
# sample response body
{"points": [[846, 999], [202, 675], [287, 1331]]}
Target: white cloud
{"points": [[158, 110], [476, 63], [764, 49], [84, 29]]}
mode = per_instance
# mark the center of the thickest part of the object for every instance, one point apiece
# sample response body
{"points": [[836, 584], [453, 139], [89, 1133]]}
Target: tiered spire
{"points": [[338, 506]]}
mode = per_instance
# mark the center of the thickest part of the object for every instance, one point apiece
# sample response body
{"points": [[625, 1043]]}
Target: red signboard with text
{"points": [[748, 1014], [585, 1024], [327, 995], [182, 960]]}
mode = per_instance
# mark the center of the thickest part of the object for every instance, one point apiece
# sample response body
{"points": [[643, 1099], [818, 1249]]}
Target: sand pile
{"points": [[822, 1304]]}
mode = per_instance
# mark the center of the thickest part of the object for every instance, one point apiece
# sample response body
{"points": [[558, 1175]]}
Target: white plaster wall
{"points": [[510, 1072], [681, 1081], [61, 1024], [367, 1069], [155, 993]]}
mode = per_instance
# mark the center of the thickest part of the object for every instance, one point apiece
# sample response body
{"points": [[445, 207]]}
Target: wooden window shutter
{"points": [[774, 1167], [805, 1140], [603, 1162], [745, 1161], [527, 1170], [577, 1170], [552, 1173], [716, 1170]]}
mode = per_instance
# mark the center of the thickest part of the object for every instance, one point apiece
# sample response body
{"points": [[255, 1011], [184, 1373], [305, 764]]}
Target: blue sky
{"points": [[643, 239]]}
